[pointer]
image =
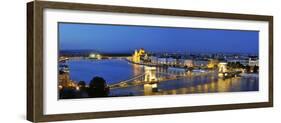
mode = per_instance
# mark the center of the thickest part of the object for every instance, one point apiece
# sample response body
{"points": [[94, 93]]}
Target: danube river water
{"points": [[117, 70]]}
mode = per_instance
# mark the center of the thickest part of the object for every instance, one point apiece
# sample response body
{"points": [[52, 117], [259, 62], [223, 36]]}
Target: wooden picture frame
{"points": [[35, 62]]}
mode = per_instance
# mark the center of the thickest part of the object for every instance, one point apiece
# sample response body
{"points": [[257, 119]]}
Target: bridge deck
{"points": [[126, 83]]}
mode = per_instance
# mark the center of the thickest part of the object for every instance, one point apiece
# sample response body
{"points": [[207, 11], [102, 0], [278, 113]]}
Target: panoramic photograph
{"points": [[106, 60]]}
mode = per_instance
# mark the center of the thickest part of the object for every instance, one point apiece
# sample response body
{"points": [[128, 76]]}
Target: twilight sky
{"points": [[122, 38]]}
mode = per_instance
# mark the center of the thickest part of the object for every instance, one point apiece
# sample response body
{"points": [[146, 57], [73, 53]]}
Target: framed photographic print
{"points": [[96, 61]]}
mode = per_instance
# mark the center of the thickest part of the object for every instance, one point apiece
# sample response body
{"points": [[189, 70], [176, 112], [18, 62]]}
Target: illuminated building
{"points": [[137, 55], [241, 61], [63, 59], [200, 63], [95, 56], [154, 60], [162, 61], [64, 80], [171, 61], [186, 62], [253, 62], [212, 63]]}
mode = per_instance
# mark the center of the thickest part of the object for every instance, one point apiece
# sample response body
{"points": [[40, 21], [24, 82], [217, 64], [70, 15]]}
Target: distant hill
{"points": [[86, 53]]}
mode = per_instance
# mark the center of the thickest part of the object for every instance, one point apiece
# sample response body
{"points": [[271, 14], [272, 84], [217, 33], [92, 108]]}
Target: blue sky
{"points": [[123, 38]]}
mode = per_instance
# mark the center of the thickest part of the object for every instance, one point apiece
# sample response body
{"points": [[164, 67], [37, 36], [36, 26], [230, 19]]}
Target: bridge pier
{"points": [[149, 89], [222, 69]]}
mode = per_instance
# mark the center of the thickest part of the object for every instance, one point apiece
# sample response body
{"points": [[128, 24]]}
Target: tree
{"points": [[82, 84], [238, 65], [247, 68], [98, 88], [255, 69], [234, 65], [82, 92], [67, 93]]}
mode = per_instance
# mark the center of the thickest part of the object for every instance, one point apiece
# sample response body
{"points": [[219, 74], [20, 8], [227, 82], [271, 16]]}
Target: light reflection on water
{"points": [[236, 84], [118, 70]]}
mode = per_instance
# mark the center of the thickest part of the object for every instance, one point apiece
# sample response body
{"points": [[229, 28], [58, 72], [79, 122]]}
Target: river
{"points": [[116, 70]]}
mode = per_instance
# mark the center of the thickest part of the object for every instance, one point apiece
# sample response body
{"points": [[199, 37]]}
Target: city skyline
{"points": [[124, 38], [95, 68]]}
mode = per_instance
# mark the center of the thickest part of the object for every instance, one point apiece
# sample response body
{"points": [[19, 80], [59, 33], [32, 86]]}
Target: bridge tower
{"points": [[222, 69], [150, 74]]}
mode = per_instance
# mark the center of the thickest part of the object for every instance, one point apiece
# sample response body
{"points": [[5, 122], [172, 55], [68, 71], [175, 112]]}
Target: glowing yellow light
{"points": [[154, 85], [77, 88]]}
